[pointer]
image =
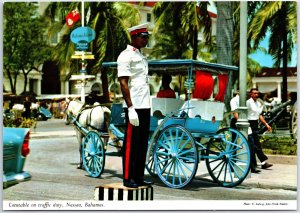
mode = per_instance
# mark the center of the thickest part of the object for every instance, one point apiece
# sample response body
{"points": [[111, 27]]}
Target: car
{"points": [[42, 114], [15, 152]]}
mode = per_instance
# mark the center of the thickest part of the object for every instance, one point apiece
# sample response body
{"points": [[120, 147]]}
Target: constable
{"points": [[133, 78]]}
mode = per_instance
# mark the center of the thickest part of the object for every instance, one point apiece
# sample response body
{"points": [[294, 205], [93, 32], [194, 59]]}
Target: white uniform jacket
{"points": [[133, 64]]}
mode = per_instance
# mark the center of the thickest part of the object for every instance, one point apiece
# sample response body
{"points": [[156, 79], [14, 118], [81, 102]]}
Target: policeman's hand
{"points": [[133, 116]]}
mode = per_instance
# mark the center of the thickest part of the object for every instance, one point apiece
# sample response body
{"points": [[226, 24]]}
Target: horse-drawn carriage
{"points": [[185, 133]]}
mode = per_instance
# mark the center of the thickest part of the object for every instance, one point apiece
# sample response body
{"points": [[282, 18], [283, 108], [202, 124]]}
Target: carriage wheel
{"points": [[228, 160], [293, 122], [93, 154], [175, 156], [150, 163]]}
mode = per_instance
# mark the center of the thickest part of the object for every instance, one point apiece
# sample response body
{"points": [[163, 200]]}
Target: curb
{"points": [[270, 186], [282, 159], [61, 134]]}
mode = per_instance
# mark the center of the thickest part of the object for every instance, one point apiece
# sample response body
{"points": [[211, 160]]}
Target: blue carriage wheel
{"points": [[228, 158], [175, 156], [150, 164], [93, 154]]}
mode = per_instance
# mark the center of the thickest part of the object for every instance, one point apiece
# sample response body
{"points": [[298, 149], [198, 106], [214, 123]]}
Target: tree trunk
{"points": [[10, 81], [284, 58], [195, 48], [14, 89], [224, 39], [104, 79], [25, 80]]}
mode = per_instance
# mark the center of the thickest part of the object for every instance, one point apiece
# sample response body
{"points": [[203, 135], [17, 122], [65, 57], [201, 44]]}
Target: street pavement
{"points": [[282, 175]]}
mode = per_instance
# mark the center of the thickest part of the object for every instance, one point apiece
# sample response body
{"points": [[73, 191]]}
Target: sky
{"points": [[265, 60]]}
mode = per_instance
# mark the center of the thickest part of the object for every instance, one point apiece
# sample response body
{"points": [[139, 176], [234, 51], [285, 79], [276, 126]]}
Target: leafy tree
{"points": [[177, 25], [225, 38], [253, 67], [110, 21], [24, 45], [280, 19]]}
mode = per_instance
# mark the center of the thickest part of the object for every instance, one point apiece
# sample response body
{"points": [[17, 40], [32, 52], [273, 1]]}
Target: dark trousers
{"points": [[253, 163], [135, 145], [257, 146]]}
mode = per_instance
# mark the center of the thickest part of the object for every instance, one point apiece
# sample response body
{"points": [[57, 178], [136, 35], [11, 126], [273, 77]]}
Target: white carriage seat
{"points": [[161, 107], [207, 110], [165, 105]]}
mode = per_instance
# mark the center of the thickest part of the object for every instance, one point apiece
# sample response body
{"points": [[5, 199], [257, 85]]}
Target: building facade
{"points": [[269, 80], [51, 80]]}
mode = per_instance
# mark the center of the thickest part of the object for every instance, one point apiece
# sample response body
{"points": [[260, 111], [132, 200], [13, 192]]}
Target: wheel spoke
{"points": [[231, 165], [175, 156], [93, 154]]}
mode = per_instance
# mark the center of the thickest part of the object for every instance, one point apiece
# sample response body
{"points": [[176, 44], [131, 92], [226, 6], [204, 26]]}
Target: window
{"points": [[148, 17], [54, 39]]}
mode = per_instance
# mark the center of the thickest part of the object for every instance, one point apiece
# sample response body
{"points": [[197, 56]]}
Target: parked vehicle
{"points": [[42, 114], [15, 151]]}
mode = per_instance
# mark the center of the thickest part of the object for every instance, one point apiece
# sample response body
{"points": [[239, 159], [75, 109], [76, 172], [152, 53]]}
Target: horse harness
{"points": [[88, 118]]}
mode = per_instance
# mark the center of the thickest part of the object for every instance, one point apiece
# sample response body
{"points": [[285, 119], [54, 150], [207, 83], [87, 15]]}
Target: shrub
{"points": [[283, 145], [16, 120]]}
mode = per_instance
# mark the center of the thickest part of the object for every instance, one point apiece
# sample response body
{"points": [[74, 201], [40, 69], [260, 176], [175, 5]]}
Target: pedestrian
{"points": [[166, 91], [255, 108], [234, 105], [133, 78], [27, 106]]}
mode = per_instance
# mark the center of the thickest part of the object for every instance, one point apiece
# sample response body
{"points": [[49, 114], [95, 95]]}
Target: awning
{"points": [[57, 96], [176, 66]]}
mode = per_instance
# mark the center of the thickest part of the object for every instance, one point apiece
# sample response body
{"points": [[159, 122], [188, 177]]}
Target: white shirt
{"points": [[235, 102], [133, 64], [254, 109]]}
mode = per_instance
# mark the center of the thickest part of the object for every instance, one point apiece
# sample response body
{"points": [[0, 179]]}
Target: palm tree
{"points": [[279, 18], [177, 25], [110, 21], [225, 32], [253, 67]]}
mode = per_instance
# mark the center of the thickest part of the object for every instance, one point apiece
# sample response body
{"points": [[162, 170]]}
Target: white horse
{"points": [[94, 117]]}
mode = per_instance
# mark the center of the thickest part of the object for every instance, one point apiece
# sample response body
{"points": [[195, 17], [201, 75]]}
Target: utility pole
{"points": [[83, 62], [242, 122]]}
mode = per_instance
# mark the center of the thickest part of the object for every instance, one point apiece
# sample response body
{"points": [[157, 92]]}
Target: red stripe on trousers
{"points": [[127, 154]]}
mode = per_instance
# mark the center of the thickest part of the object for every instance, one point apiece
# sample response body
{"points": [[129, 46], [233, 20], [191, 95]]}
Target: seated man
{"points": [[166, 91]]}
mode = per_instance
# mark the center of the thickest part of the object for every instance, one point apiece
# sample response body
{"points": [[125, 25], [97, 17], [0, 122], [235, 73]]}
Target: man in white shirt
{"points": [[133, 78], [234, 105], [254, 116]]}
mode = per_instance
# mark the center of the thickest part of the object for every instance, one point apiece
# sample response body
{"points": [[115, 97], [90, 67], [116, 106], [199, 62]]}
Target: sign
{"points": [[72, 17], [81, 77], [83, 34], [85, 56], [82, 45]]}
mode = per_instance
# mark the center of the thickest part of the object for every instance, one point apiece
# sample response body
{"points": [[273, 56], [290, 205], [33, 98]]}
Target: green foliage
{"points": [[19, 122], [279, 145], [110, 21], [280, 19], [176, 29], [24, 43]]}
